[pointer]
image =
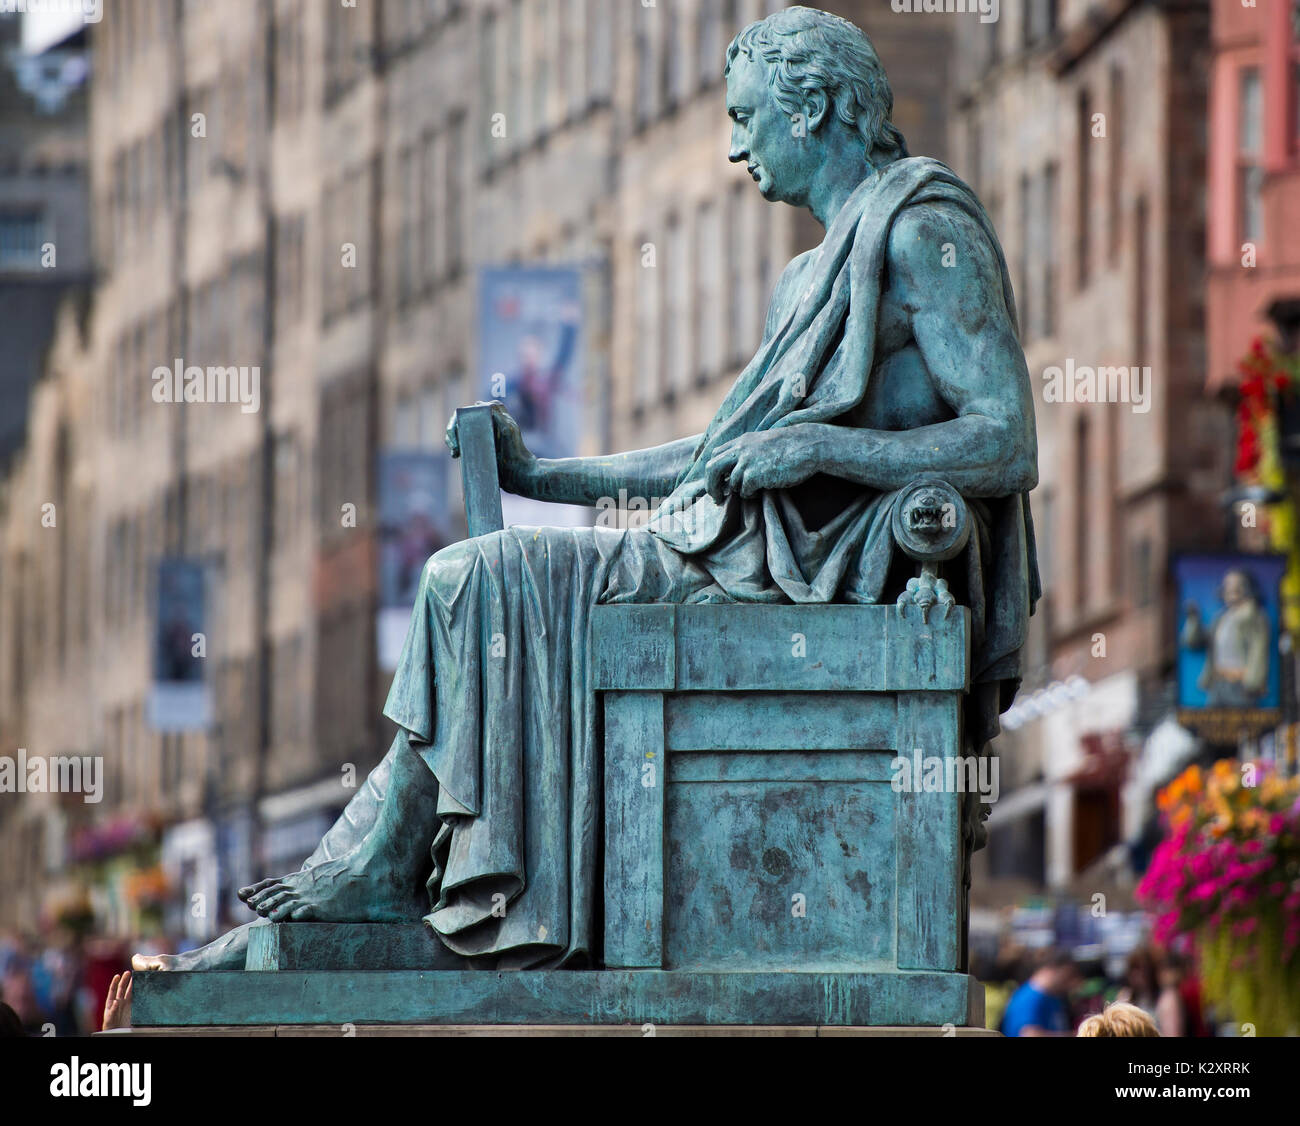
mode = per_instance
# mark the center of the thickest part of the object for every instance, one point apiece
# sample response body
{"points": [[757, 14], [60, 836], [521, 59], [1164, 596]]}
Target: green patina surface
{"points": [[554, 997]]}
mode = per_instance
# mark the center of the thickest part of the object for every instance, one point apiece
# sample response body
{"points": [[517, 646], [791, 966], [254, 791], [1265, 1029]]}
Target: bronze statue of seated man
{"points": [[890, 353]]}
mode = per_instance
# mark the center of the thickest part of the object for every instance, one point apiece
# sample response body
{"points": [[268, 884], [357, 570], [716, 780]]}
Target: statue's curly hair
{"points": [[807, 49]]}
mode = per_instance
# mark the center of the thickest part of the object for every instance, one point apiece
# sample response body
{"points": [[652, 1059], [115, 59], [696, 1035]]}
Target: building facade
{"points": [[1081, 124]]}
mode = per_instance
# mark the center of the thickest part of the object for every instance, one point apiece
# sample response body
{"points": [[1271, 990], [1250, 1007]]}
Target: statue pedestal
{"points": [[761, 868], [546, 1030], [555, 997]]}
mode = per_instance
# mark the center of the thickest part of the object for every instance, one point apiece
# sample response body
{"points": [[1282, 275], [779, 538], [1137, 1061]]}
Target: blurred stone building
{"points": [[44, 217], [311, 189], [1081, 123]]}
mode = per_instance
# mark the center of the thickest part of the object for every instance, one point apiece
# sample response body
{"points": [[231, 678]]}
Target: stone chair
{"points": [[752, 823]]}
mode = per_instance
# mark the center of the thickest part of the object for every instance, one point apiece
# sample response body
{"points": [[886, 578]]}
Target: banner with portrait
{"points": [[1229, 671]]}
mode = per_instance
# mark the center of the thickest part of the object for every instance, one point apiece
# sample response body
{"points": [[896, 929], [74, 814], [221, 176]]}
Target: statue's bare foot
{"points": [[228, 952], [357, 888]]}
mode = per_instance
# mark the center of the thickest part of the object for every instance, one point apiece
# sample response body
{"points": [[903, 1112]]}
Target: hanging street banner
{"points": [[1229, 667]]}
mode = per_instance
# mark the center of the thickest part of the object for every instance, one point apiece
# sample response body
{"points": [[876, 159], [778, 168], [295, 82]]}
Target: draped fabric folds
{"points": [[494, 684]]}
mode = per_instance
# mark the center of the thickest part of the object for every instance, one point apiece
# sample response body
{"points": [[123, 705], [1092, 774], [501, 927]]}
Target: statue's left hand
{"points": [[773, 459]]}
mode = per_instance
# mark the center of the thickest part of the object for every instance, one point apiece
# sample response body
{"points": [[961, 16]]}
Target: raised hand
{"points": [[117, 1005]]}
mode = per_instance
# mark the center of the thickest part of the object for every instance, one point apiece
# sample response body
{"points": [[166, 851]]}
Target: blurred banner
{"points": [[180, 699], [413, 524], [531, 357], [1229, 672]]}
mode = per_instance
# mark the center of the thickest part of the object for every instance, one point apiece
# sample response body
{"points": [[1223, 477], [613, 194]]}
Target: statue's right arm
{"points": [[647, 474]]}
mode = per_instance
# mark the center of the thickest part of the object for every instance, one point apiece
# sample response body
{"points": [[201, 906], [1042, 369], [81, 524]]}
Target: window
{"points": [[1047, 303], [712, 21], [708, 305], [543, 52], [347, 41], [741, 309], [1141, 285], [408, 226], [1083, 190], [1250, 171], [22, 233], [454, 170], [645, 368], [1028, 232], [515, 128], [488, 77], [600, 50], [1115, 145], [645, 62], [433, 219], [289, 268], [572, 58], [1081, 514], [678, 300]]}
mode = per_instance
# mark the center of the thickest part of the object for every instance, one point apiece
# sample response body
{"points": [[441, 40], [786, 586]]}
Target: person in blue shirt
{"points": [[1038, 1008]]}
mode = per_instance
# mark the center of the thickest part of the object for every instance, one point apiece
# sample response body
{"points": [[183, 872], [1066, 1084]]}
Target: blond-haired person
{"points": [[1119, 1019]]}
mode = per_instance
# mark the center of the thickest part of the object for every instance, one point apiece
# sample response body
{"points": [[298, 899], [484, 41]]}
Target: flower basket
{"points": [[1226, 884]]}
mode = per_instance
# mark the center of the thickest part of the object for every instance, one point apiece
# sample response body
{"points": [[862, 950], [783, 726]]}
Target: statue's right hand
{"points": [[514, 460], [515, 463]]}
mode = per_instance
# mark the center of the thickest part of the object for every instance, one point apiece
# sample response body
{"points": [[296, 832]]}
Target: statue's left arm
{"points": [[966, 337]]}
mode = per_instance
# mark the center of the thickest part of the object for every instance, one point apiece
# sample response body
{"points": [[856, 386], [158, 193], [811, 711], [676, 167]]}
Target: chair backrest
{"points": [[478, 469]]}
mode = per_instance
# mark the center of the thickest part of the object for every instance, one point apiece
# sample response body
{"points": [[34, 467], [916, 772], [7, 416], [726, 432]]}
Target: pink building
{"points": [[1254, 181]]}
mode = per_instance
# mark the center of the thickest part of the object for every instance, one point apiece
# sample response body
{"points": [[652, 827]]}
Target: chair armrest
{"points": [[478, 469]]}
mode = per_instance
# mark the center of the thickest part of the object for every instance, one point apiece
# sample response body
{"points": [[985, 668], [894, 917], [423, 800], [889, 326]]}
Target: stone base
{"points": [[457, 998], [348, 946], [534, 1030]]}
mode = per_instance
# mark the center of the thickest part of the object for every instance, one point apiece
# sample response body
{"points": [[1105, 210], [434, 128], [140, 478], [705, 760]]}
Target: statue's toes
{"points": [[247, 893], [283, 908], [148, 962], [259, 899]]}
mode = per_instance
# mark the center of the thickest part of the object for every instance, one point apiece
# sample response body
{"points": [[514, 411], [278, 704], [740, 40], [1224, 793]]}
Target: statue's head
{"points": [[804, 75]]}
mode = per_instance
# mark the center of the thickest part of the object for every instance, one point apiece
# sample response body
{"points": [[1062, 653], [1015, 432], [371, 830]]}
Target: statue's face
{"points": [[763, 135]]}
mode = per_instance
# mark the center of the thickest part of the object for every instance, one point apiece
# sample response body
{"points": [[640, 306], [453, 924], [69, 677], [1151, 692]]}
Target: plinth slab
{"points": [[545, 1030], [348, 946], [556, 997]]}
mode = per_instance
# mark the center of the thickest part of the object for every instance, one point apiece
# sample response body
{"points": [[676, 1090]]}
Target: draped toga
{"points": [[493, 687]]}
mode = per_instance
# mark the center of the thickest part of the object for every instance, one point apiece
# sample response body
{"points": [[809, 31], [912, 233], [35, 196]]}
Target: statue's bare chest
{"points": [[902, 392]]}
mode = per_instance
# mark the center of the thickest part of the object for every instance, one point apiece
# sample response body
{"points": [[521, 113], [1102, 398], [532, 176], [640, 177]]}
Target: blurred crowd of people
{"points": [[1050, 993], [59, 986]]}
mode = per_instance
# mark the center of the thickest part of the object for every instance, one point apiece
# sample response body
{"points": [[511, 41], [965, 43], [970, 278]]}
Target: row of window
{"points": [[701, 281], [429, 236]]}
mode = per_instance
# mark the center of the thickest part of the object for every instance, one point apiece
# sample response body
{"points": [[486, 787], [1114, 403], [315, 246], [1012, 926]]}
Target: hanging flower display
{"points": [[1267, 376], [1226, 883]]}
